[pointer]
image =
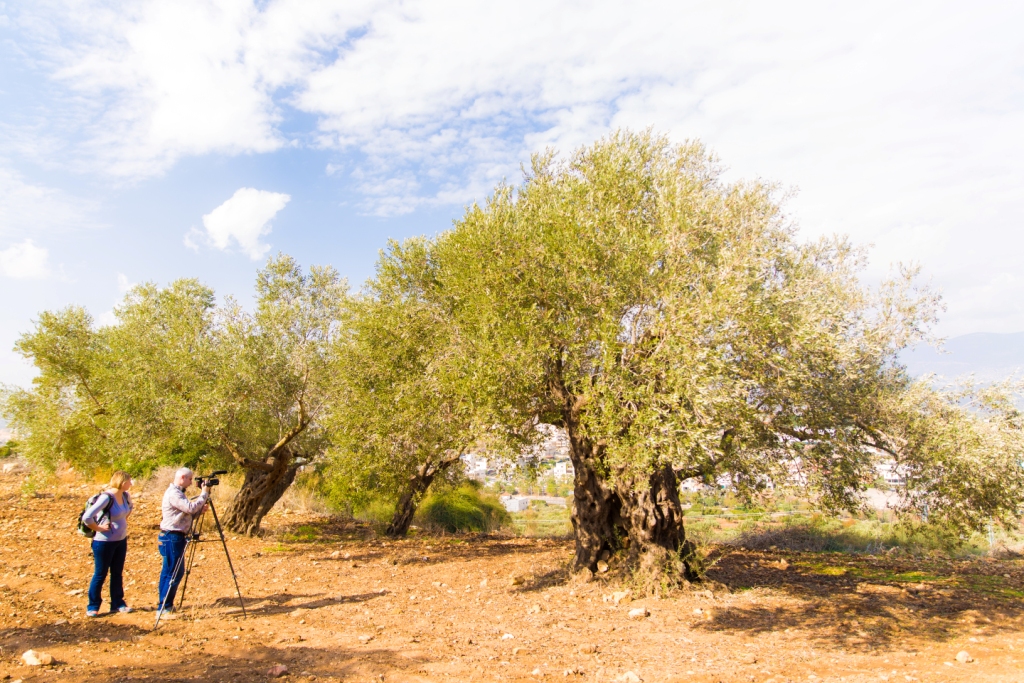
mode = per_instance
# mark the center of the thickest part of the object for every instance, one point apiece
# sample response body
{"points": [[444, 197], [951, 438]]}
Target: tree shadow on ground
{"points": [[863, 602], [286, 602]]}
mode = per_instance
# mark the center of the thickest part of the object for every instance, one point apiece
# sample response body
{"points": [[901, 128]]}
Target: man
{"points": [[178, 511]]}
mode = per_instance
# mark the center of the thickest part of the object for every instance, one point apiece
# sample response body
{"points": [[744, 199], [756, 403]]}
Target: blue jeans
{"points": [[108, 556], [172, 548]]}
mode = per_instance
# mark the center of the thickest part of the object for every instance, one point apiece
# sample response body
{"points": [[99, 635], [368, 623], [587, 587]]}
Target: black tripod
{"points": [[192, 541]]}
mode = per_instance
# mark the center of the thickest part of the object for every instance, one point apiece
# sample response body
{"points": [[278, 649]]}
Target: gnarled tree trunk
{"points": [[595, 506], [608, 515], [261, 489], [652, 516], [418, 484]]}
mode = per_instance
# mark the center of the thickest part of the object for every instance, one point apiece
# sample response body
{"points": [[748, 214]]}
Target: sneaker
{"points": [[167, 614], [124, 609], [92, 612]]}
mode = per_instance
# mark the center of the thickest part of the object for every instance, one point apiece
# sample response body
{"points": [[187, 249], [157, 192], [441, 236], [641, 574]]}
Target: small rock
{"points": [[60, 622], [277, 671], [33, 658], [336, 554], [574, 671], [483, 584], [619, 596], [602, 567], [698, 612], [535, 672], [516, 580], [964, 657], [365, 639], [507, 636], [629, 677], [588, 649], [297, 613], [639, 613], [77, 591], [783, 565], [710, 595]]}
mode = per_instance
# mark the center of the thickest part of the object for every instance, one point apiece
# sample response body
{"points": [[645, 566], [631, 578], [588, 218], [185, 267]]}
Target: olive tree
{"points": [[675, 327], [180, 380], [411, 405]]}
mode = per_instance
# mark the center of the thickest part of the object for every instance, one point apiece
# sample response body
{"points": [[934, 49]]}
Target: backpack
{"points": [[82, 528]]}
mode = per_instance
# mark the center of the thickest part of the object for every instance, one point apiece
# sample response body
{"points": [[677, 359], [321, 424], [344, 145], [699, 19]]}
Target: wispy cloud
{"points": [[25, 261], [242, 220], [28, 208]]}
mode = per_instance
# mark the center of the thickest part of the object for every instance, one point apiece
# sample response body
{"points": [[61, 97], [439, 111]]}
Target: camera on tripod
{"points": [[210, 479]]}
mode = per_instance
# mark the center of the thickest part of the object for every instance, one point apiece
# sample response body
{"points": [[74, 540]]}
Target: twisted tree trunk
{"points": [[260, 491], [595, 506], [611, 514], [652, 516], [417, 487]]}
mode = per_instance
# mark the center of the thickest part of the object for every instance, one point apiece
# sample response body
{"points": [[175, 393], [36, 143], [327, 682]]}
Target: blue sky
{"points": [[155, 140]]}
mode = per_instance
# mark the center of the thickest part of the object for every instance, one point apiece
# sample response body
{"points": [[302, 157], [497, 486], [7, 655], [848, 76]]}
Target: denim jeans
{"points": [[172, 548], [108, 556]]}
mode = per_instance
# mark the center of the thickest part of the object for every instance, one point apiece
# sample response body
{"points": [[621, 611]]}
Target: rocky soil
{"points": [[326, 601]]}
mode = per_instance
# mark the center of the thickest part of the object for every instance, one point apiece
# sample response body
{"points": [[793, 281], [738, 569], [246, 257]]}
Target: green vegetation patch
{"points": [[461, 510], [307, 533]]}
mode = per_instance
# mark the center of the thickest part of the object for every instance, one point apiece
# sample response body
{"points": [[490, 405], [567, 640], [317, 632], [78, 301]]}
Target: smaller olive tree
{"points": [[410, 410], [179, 380]]}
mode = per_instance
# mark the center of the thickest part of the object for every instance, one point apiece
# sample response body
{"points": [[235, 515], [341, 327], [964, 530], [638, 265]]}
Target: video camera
{"points": [[210, 479]]}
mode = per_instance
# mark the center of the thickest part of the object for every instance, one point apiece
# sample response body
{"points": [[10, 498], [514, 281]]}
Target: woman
{"points": [[108, 517]]}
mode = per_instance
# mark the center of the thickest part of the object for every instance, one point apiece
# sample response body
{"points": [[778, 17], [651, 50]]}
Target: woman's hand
{"points": [[105, 527]]}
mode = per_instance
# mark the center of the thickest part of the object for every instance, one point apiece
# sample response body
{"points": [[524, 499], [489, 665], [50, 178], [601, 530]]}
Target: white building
{"points": [[515, 503], [563, 469]]}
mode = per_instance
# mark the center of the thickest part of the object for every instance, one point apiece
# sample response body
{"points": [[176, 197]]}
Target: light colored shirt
{"points": [[118, 516], [178, 509]]}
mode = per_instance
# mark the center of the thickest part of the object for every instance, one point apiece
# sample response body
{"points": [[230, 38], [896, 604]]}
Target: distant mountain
{"points": [[986, 355]]}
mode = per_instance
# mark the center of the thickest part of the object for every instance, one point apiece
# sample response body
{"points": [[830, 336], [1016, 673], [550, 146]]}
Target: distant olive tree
{"points": [[410, 406], [179, 380]]}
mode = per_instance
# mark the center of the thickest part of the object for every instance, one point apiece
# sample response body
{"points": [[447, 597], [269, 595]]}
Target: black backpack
{"points": [[82, 528]]}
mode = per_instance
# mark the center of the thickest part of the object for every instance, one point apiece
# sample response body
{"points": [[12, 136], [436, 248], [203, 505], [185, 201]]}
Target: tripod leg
{"points": [[224, 543], [190, 550]]}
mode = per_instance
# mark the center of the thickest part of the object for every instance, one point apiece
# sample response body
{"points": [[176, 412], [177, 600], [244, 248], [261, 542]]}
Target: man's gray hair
{"points": [[184, 471]]}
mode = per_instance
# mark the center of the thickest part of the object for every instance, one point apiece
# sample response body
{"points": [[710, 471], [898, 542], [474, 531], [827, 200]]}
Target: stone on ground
{"points": [[33, 658]]}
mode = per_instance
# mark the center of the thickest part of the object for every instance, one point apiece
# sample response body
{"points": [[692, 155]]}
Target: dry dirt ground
{"points": [[331, 603]]}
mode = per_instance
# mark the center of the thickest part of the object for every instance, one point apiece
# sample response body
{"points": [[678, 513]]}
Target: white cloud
{"points": [[25, 261], [123, 283], [242, 219], [902, 124], [154, 81]]}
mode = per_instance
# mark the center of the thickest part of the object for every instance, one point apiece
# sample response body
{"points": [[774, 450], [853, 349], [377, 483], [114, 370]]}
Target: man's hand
{"points": [[206, 507], [206, 488]]}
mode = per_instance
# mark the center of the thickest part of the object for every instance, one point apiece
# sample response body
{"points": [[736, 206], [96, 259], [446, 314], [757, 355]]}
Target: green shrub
{"points": [[462, 509]]}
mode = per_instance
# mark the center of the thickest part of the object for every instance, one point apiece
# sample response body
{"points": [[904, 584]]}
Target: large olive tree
{"points": [[675, 327]]}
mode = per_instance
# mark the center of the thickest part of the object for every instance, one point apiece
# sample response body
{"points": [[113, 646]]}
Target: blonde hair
{"points": [[117, 479]]}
